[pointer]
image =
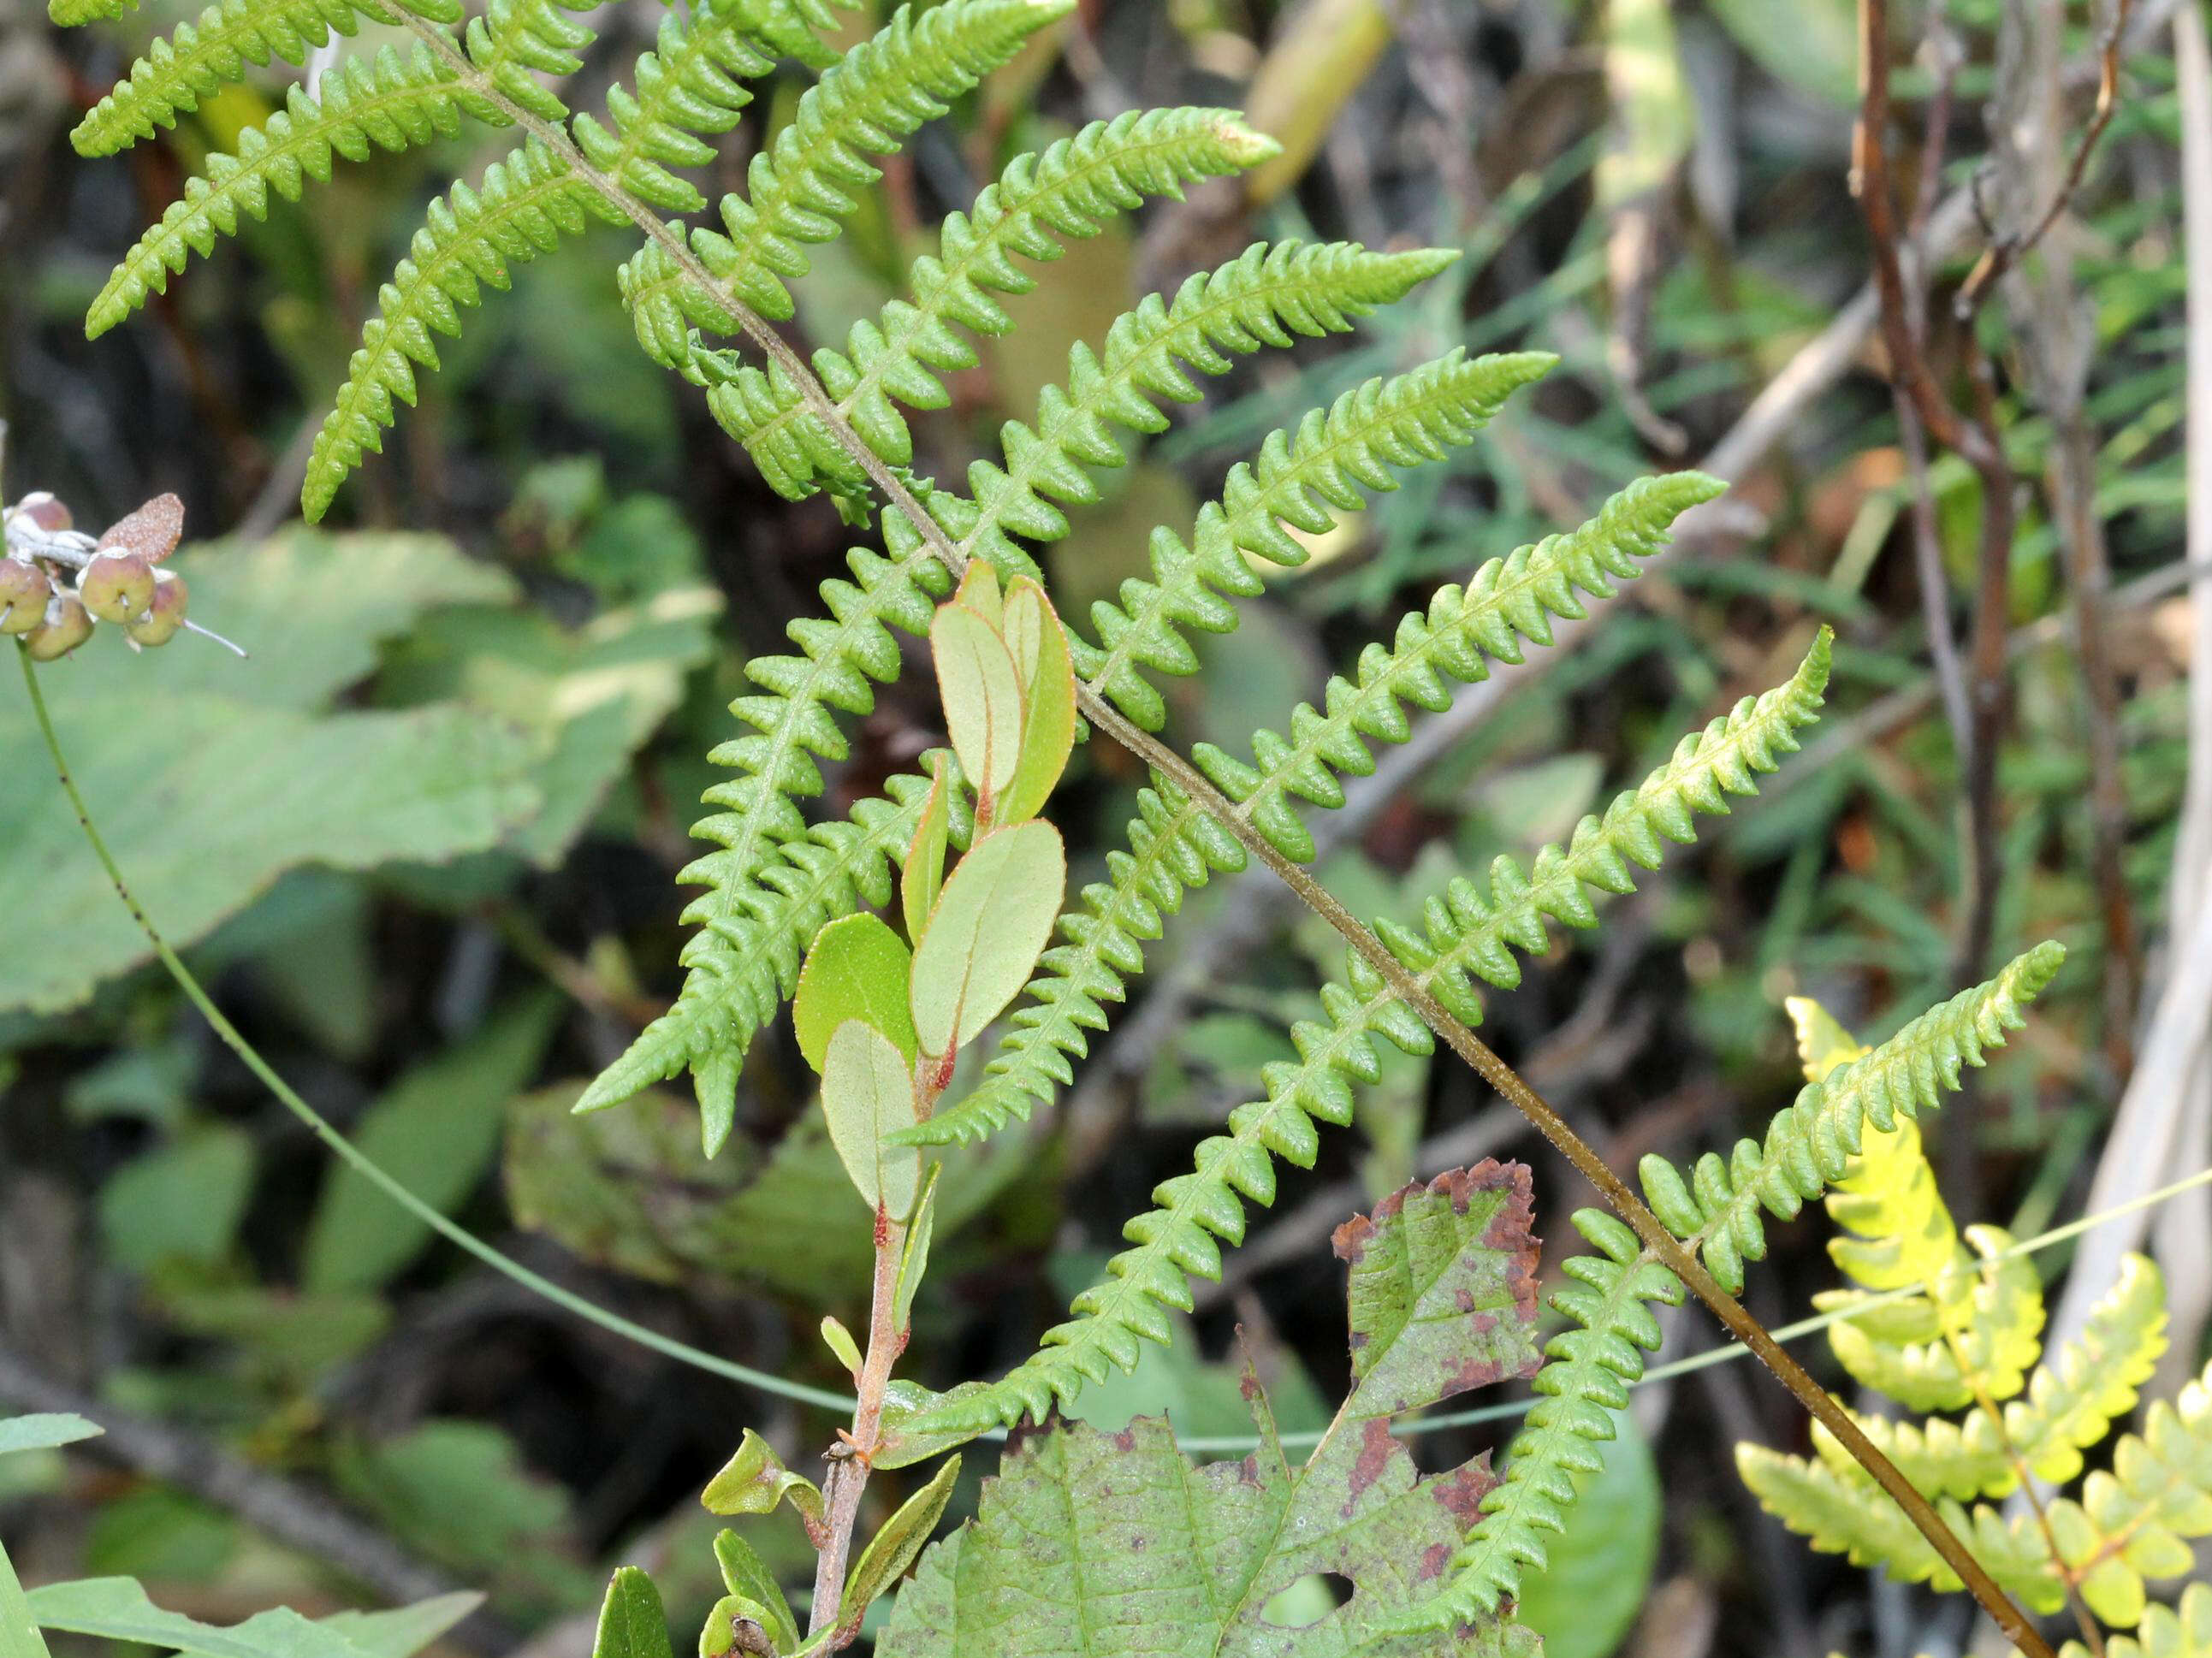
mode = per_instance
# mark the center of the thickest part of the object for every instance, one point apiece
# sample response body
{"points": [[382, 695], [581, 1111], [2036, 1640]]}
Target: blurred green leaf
{"points": [[459, 1491], [179, 1203], [436, 1132], [152, 1531], [45, 1431], [118, 1609]]}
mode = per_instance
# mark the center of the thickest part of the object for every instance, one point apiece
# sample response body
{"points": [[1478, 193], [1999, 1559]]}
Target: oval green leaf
{"points": [[991, 923], [922, 876], [856, 969], [868, 1092], [1049, 701], [892, 1550], [982, 697]]}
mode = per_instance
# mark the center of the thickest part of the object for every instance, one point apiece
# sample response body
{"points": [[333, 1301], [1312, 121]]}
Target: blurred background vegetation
{"points": [[423, 844]]}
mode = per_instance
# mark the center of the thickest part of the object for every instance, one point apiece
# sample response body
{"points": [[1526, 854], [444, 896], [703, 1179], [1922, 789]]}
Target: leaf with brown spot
{"points": [[152, 531], [1096, 1543]]}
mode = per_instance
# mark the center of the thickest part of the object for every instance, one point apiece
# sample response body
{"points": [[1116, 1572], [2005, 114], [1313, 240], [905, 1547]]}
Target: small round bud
{"points": [[43, 510], [117, 586], [24, 590], [165, 612], [68, 625]]}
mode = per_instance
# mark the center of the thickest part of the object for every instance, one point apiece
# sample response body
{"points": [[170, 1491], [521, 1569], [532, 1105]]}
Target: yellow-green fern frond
{"points": [[2181, 1630], [1809, 1145], [1898, 1230], [2136, 1521], [2073, 1401], [387, 102], [513, 42], [1844, 1512]]}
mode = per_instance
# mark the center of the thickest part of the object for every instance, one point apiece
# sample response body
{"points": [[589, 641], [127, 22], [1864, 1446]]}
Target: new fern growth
{"points": [[1967, 1339]]}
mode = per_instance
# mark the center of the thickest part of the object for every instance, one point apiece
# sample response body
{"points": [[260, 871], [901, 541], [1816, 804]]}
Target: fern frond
{"points": [[688, 89], [1467, 932], [790, 28], [1339, 457], [513, 42], [1070, 190], [387, 102], [1845, 1512], [2182, 1630], [2135, 1521], [1269, 295], [793, 719], [1900, 1230], [798, 189], [1810, 1142], [1585, 1382], [2069, 1405], [1509, 599], [524, 206], [739, 979], [1107, 931], [211, 52]]}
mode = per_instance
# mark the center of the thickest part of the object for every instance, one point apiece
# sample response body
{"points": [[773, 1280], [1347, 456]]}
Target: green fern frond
{"points": [[1106, 933], [513, 42], [789, 28], [1584, 1384], [747, 961], [794, 719], [2135, 1522], [1810, 1143], [1467, 932], [688, 89], [211, 52], [72, 13], [799, 188], [1508, 600], [1846, 1513], [387, 102], [524, 206], [2182, 1630], [1070, 190], [1339, 458], [1267, 296]]}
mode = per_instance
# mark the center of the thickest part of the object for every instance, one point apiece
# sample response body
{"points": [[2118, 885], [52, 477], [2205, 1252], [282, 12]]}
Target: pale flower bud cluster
{"points": [[56, 582]]}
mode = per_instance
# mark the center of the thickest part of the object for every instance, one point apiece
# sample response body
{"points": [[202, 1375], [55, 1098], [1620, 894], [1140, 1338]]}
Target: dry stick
{"points": [[1664, 1245]]}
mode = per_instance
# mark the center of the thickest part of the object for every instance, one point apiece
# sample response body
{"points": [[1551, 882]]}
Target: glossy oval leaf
{"points": [[745, 1573], [1048, 702], [856, 969], [991, 924], [632, 1622], [921, 877], [868, 1092], [982, 697]]}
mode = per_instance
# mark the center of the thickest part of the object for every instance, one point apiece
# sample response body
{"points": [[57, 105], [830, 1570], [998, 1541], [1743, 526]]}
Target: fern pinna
{"points": [[1968, 1339]]}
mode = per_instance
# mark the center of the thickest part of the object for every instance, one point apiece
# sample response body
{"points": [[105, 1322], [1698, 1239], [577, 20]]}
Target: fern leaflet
{"points": [[387, 102], [524, 206], [687, 87], [797, 190], [209, 53], [1070, 190]]}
